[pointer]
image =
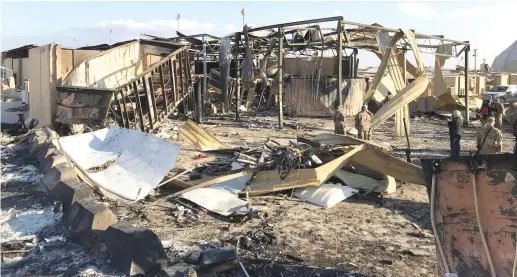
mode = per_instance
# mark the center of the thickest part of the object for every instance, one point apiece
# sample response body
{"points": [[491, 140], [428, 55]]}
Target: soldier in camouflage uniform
{"points": [[489, 139], [339, 121], [363, 121]]}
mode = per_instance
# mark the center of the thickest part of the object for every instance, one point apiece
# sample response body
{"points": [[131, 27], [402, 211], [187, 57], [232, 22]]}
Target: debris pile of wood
{"points": [[322, 170]]}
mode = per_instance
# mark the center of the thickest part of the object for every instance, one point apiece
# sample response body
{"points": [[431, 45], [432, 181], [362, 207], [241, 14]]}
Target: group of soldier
{"points": [[363, 122], [489, 137]]}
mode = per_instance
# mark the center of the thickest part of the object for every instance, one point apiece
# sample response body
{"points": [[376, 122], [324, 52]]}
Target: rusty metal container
{"points": [[470, 193]]}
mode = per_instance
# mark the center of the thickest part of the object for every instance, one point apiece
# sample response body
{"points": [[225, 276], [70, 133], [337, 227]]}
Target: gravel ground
{"points": [[361, 236]]}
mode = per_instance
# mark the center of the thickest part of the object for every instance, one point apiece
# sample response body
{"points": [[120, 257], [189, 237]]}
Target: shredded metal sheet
{"points": [[140, 160]]}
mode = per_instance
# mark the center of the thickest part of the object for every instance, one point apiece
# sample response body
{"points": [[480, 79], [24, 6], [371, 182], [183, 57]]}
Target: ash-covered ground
{"points": [[361, 236]]}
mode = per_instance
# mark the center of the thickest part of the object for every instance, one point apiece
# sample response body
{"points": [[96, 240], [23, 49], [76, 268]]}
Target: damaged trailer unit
{"points": [[474, 214], [121, 81]]}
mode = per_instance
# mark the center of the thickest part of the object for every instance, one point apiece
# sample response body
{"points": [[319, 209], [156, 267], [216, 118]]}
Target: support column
{"points": [[199, 104], [467, 91], [205, 89], [356, 63], [340, 63], [238, 79], [280, 78]]}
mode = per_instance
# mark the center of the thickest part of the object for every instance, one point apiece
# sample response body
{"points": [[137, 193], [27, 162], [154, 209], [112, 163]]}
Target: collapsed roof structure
{"points": [[268, 61]]}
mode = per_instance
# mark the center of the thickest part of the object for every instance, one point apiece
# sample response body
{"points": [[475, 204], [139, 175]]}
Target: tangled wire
{"points": [[290, 159]]}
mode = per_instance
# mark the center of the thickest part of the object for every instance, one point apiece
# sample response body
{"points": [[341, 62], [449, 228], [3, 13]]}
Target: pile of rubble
{"points": [[127, 166]]}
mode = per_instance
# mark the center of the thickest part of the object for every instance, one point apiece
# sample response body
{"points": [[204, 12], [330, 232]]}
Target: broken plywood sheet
{"points": [[126, 164], [387, 164], [326, 195], [360, 182], [269, 181], [201, 139], [404, 97], [450, 102], [382, 67]]}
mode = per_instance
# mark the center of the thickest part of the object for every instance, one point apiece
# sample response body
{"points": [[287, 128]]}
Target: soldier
{"points": [[498, 109], [363, 121], [489, 140], [455, 132], [339, 121]]}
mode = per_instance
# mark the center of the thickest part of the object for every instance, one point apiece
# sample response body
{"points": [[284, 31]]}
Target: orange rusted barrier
{"points": [[470, 193]]}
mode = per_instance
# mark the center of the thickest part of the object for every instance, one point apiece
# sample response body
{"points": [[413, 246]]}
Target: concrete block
{"points": [[134, 250], [56, 174], [70, 191], [52, 160], [218, 260], [88, 218], [179, 270]]}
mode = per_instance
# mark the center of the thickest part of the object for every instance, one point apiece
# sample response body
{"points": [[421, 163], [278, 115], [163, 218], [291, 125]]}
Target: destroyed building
{"points": [[107, 154]]}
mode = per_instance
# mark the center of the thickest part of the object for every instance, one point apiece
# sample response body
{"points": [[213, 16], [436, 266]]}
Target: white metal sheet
{"points": [[222, 198], [326, 195], [135, 162], [217, 200]]}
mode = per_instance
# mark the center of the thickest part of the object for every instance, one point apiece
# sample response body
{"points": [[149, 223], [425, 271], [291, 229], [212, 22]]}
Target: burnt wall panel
{"points": [[304, 97], [305, 67]]}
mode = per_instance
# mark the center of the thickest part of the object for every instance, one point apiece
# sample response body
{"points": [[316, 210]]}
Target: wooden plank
{"points": [[164, 95], [124, 107], [139, 107], [172, 80], [182, 86], [150, 107], [380, 161], [153, 100], [176, 84]]}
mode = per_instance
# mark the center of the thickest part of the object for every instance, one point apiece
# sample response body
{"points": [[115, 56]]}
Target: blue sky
{"points": [[487, 25]]}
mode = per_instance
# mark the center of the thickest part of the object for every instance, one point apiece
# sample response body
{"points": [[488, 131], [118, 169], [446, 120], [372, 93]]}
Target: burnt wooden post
{"points": [[122, 120], [340, 63], [280, 78], [172, 81], [125, 107], [199, 103], [139, 107], [162, 86], [238, 77], [153, 99], [149, 96]]}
